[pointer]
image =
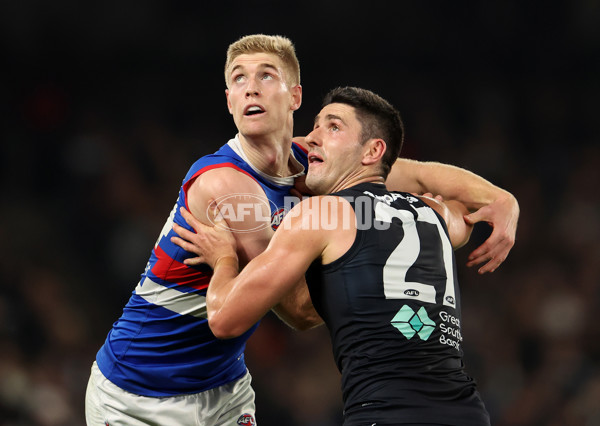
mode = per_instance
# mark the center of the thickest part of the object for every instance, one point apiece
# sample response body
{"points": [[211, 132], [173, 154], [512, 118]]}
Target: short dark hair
{"points": [[378, 118]]}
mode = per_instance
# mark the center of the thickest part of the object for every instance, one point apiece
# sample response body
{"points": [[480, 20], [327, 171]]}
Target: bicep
{"points": [[243, 204]]}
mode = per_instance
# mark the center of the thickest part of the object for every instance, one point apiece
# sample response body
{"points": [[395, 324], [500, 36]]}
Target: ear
{"points": [[373, 151], [228, 103], [296, 92]]}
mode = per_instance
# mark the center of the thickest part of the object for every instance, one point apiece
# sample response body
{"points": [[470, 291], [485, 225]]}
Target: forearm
{"points": [[454, 183], [237, 302], [296, 309], [225, 271], [451, 182]]}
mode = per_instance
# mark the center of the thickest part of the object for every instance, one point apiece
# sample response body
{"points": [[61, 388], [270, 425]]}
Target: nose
{"points": [[252, 88], [312, 139]]}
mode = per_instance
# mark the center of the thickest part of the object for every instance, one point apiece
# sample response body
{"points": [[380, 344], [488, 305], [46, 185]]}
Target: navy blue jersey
{"points": [[162, 344], [392, 307]]}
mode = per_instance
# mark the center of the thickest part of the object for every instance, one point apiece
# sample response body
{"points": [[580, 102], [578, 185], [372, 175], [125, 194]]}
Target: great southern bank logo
{"points": [[409, 323]]}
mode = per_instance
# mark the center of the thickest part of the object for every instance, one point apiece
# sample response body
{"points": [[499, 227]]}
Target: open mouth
{"points": [[253, 110], [314, 158]]}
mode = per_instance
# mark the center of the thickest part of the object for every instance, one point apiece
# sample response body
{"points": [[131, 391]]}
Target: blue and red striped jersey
{"points": [[162, 344]]}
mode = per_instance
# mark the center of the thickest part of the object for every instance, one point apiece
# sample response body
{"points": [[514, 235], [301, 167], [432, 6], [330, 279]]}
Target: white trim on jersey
{"points": [[171, 299], [236, 146]]}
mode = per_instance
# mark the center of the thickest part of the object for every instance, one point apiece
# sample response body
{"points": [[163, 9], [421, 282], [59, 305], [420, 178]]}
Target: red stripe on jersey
{"points": [[187, 185], [301, 147], [168, 269]]}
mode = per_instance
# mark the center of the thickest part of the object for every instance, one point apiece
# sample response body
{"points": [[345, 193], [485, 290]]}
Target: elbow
{"points": [[224, 328], [306, 325], [306, 321]]}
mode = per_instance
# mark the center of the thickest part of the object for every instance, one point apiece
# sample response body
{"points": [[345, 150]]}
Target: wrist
{"points": [[227, 261]]}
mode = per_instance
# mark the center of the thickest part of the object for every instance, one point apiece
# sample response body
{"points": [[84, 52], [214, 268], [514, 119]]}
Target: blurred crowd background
{"points": [[105, 105]]}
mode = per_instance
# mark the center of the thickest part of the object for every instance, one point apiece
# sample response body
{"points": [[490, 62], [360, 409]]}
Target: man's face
{"points": [[258, 96], [335, 151]]}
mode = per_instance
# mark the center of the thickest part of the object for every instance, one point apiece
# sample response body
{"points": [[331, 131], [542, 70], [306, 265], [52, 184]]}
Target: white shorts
{"points": [[229, 405]]}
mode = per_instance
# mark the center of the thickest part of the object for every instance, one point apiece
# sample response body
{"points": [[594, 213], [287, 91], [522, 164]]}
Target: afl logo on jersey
{"points": [[411, 292], [246, 420], [277, 217], [242, 212], [450, 300]]}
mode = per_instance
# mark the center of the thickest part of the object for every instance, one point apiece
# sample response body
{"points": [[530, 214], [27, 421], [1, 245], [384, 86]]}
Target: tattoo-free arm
{"points": [[236, 302], [296, 308], [487, 202], [234, 306]]}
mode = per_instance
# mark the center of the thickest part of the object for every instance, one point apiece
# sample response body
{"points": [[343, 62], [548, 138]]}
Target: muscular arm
{"points": [[295, 309], [488, 203], [452, 212], [451, 182], [236, 302], [252, 231]]}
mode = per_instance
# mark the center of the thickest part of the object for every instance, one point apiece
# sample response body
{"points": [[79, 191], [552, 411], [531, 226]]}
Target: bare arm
{"points": [[295, 308], [251, 230], [488, 203], [236, 302], [452, 212]]}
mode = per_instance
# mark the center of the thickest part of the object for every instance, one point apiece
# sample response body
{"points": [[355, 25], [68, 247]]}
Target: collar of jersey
{"points": [[236, 146]]}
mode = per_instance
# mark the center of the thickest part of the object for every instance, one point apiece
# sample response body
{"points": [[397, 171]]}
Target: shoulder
{"points": [[224, 180], [322, 215], [225, 185], [301, 143]]}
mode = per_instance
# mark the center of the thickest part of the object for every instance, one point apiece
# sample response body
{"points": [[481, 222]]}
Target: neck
{"points": [[270, 155], [358, 179]]}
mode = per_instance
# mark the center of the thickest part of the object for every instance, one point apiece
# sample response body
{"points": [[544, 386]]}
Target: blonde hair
{"points": [[261, 43]]}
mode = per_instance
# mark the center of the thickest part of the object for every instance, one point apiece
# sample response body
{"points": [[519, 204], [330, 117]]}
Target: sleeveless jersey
{"points": [[392, 307], [162, 344]]}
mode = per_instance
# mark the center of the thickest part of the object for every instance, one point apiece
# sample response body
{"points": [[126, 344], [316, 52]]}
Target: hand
{"points": [[300, 189], [502, 215], [210, 243]]}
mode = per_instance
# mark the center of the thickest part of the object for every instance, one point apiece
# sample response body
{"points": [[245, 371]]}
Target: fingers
{"points": [[295, 193], [492, 253], [187, 246], [475, 217], [195, 261], [182, 232], [190, 219], [502, 215]]}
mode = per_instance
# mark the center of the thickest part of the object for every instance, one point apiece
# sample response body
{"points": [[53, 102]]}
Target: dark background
{"points": [[104, 107]]}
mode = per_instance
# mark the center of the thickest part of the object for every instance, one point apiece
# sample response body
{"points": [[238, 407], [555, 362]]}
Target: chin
{"points": [[315, 187]]}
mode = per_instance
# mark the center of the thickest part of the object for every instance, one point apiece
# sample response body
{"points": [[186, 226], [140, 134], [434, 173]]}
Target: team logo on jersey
{"points": [[409, 323], [277, 217], [246, 420]]}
